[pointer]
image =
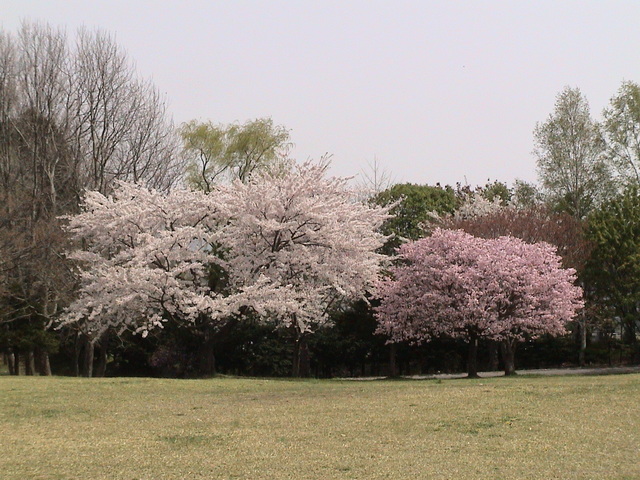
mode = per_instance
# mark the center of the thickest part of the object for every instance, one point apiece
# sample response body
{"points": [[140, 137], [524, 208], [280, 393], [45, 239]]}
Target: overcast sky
{"points": [[437, 91]]}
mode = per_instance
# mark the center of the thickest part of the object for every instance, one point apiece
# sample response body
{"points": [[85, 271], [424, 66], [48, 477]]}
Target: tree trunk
{"points": [[14, 366], [583, 339], [88, 358], [494, 358], [45, 364], [103, 349], [295, 367], [42, 363], [305, 357], [629, 330], [472, 360], [508, 350], [301, 360], [29, 363], [208, 358], [393, 366], [76, 355], [101, 365]]}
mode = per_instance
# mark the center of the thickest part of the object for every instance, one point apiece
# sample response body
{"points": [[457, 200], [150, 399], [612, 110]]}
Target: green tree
{"points": [[417, 206], [613, 271], [525, 195], [225, 152], [497, 191], [622, 130], [569, 150]]}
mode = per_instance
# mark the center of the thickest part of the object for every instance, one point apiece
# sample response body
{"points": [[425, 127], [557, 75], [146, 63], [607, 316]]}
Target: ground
{"points": [[565, 427]]}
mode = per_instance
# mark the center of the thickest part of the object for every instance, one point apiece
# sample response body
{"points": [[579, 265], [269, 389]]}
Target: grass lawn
{"points": [[511, 428]]}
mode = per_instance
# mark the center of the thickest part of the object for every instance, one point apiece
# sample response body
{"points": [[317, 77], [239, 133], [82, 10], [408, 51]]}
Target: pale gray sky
{"points": [[437, 91]]}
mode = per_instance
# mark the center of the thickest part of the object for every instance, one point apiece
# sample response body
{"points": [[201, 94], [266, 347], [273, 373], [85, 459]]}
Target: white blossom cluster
{"points": [[287, 247], [477, 205]]}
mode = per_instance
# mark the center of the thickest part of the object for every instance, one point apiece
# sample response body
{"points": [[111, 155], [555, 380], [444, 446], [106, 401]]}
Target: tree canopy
{"points": [[413, 209], [569, 150], [613, 270], [290, 247], [219, 153], [622, 130], [453, 284]]}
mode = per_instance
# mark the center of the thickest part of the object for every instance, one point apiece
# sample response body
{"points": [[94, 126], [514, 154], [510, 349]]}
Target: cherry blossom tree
{"points": [[477, 205], [145, 257], [538, 223], [299, 244], [456, 285], [285, 246]]}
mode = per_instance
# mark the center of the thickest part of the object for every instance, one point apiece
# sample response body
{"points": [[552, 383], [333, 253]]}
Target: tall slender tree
{"points": [[570, 156], [622, 130]]}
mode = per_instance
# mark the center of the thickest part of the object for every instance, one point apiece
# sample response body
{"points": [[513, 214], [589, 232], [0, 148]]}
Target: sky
{"points": [[435, 91]]}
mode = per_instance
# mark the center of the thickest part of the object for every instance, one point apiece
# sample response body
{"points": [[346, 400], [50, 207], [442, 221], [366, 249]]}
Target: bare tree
{"points": [[375, 178], [72, 117], [121, 124], [32, 192]]}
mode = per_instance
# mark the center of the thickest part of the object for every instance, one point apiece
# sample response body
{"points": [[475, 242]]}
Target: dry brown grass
{"points": [[512, 428]]}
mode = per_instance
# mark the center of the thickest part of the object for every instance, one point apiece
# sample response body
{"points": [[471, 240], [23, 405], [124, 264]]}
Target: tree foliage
{"points": [[299, 242], [525, 195], [569, 150], [453, 284], [622, 130], [219, 153], [613, 270], [414, 208], [145, 259], [532, 225], [284, 248], [497, 192]]}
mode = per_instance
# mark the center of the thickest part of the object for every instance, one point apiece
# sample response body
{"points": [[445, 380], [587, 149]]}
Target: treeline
{"points": [[75, 117]]}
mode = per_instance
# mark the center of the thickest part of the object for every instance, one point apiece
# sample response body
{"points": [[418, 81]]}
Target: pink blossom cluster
{"points": [[457, 285]]}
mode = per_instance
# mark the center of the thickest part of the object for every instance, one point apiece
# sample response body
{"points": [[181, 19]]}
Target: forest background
{"points": [[76, 117]]}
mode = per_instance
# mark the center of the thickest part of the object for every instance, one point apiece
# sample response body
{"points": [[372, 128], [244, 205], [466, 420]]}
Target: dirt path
{"points": [[542, 371], [545, 371]]}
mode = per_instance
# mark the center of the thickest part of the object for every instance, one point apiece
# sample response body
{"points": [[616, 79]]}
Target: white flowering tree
{"points": [[291, 247], [145, 259], [298, 244], [477, 205]]}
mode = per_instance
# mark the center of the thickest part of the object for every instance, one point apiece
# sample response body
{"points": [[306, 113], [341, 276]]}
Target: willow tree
{"points": [[221, 153]]}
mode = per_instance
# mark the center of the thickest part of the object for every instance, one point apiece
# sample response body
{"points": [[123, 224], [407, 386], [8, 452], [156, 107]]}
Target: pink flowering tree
{"points": [[456, 285], [286, 246]]}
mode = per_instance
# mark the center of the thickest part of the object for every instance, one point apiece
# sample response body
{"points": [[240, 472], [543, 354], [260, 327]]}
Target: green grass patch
{"points": [[516, 428]]}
